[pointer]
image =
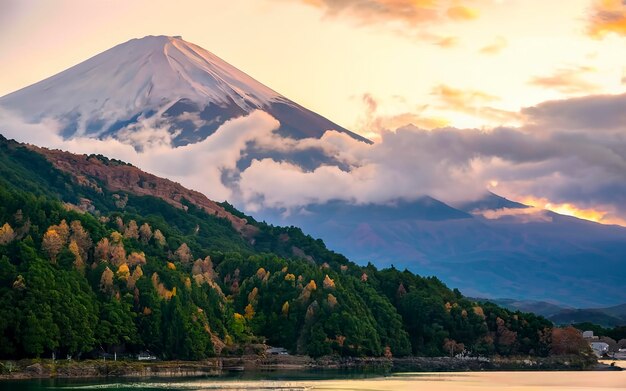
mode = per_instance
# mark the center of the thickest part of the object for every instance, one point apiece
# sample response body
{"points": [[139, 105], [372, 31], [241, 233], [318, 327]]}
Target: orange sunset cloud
{"points": [[410, 12], [607, 16], [592, 214], [567, 80]]}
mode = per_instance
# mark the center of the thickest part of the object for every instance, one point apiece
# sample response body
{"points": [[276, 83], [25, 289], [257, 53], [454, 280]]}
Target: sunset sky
{"points": [[464, 63], [374, 65]]}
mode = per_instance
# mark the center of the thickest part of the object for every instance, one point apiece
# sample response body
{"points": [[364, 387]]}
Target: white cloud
{"points": [[198, 166], [522, 215], [560, 155]]}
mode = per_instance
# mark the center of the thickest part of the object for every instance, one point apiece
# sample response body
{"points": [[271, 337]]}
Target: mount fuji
{"points": [[175, 84]]}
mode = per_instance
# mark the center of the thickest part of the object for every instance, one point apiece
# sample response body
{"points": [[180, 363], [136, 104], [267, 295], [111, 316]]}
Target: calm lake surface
{"points": [[466, 381]]}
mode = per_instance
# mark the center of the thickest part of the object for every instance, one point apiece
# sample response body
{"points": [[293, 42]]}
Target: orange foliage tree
{"points": [[567, 340]]}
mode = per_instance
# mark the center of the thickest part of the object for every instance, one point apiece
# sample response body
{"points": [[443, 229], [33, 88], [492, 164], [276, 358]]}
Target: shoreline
{"points": [[216, 367]]}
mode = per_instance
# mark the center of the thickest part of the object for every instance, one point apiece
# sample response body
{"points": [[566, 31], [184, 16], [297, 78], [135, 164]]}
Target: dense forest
{"points": [[133, 272]]}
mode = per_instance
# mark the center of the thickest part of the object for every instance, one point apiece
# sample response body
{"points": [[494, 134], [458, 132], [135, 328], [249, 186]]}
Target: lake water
{"points": [[466, 381]]}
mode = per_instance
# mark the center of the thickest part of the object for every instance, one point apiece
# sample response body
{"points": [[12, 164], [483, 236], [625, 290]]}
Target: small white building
{"points": [[600, 348], [588, 334]]}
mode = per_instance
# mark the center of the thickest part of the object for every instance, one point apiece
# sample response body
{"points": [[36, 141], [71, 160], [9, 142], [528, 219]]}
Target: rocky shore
{"points": [[33, 369]]}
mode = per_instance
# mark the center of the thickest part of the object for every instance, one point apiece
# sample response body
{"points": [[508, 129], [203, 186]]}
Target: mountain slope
{"points": [[162, 81], [93, 170], [89, 265]]}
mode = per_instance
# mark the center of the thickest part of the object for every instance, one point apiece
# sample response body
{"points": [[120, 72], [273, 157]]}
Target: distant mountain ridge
{"points": [[542, 256], [606, 317]]}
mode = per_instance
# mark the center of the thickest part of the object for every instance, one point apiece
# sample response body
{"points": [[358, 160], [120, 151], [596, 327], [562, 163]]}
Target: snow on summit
{"points": [[180, 86], [140, 73]]}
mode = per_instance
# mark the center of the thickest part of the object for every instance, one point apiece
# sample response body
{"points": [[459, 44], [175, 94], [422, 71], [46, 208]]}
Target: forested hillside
{"points": [[87, 266]]}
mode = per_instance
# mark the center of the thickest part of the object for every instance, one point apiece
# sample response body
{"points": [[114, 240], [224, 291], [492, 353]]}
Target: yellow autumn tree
{"points": [[332, 300], [106, 281], [132, 230], [249, 312], [240, 321], [81, 237], [145, 233], [252, 296], [63, 230], [119, 223], [103, 250], [136, 258], [171, 266], [79, 263], [132, 281], [183, 254], [285, 309], [118, 254], [260, 273], [6, 234], [307, 290], [160, 239], [479, 311], [116, 237], [155, 280], [202, 271], [161, 289], [52, 244], [123, 272], [328, 283]]}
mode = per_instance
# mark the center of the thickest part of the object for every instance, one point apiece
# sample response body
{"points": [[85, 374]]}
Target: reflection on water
{"points": [[467, 381]]}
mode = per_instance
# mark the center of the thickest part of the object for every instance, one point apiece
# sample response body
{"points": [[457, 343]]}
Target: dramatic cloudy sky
{"points": [[523, 97]]}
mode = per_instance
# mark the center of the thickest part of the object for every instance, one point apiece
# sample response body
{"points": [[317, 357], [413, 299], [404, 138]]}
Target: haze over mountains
{"points": [[192, 117]]}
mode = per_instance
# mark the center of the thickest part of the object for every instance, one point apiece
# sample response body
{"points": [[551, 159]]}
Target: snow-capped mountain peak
{"points": [[157, 76]]}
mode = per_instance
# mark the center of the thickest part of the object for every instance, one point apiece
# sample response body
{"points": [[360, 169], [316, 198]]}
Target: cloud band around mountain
{"points": [[570, 151]]}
